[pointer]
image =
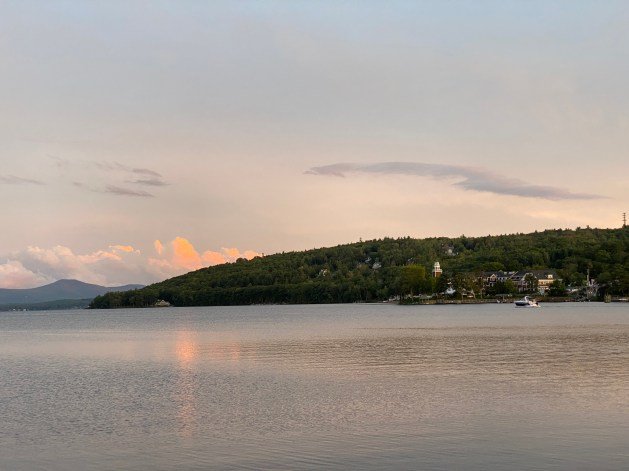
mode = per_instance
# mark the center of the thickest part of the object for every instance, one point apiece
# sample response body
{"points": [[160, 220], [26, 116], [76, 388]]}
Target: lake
{"points": [[317, 387]]}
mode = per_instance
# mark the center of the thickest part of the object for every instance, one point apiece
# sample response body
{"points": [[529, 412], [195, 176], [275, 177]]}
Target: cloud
{"points": [[118, 190], [14, 275], [185, 255], [181, 257], [117, 173], [213, 258], [109, 166], [35, 266], [227, 255], [123, 248], [117, 166], [116, 265], [13, 180], [470, 178], [148, 182]]}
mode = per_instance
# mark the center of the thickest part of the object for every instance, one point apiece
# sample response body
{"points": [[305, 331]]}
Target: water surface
{"points": [[317, 387]]}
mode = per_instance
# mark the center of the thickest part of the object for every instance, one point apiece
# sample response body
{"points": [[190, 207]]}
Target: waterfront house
{"points": [[524, 280], [490, 278]]}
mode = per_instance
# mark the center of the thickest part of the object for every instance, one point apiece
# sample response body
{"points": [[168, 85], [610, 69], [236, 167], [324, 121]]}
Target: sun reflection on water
{"points": [[187, 352], [186, 348]]}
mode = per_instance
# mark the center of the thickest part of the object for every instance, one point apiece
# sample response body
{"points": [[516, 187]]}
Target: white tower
{"points": [[436, 270]]}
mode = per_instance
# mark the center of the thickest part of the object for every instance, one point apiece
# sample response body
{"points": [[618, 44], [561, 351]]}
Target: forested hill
{"points": [[374, 270]]}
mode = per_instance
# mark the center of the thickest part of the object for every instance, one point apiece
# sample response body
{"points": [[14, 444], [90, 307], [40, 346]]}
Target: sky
{"points": [[141, 140]]}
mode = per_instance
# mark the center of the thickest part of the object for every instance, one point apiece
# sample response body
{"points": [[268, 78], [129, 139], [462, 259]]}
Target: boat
{"points": [[526, 302]]}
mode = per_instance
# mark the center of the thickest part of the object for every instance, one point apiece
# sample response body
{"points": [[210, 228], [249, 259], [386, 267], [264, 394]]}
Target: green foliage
{"points": [[441, 284], [558, 288], [530, 283], [413, 280], [377, 269]]}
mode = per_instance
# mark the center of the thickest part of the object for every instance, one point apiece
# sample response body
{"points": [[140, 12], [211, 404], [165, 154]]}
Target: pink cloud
{"points": [[14, 275], [118, 264], [122, 248], [98, 256], [233, 254], [213, 258], [185, 255]]}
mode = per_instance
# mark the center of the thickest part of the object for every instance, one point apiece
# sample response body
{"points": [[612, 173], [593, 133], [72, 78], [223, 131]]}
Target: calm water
{"points": [[317, 387]]}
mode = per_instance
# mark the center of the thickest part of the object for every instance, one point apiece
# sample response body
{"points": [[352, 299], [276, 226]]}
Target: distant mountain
{"points": [[62, 289], [64, 304]]}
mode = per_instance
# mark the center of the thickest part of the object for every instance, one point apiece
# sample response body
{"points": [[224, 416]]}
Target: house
{"points": [[524, 280], [490, 278], [545, 278]]}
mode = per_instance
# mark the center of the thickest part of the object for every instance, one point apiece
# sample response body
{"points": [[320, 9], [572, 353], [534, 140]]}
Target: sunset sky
{"points": [[140, 140]]}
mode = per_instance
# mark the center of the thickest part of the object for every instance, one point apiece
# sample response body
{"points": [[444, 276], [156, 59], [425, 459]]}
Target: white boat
{"points": [[526, 302]]}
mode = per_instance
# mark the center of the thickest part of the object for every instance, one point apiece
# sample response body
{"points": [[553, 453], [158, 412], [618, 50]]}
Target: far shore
{"points": [[546, 299]]}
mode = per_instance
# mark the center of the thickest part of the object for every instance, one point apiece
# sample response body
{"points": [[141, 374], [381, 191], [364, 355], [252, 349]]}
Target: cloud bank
{"points": [[121, 191], [13, 180], [180, 256], [114, 175], [117, 166], [118, 264], [470, 178]]}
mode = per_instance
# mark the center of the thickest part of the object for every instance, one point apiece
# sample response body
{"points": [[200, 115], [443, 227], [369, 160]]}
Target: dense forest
{"points": [[379, 269]]}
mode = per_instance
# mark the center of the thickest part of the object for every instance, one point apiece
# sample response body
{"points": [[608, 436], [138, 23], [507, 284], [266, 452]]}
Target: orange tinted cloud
{"points": [[118, 264], [249, 254], [122, 248], [213, 258], [185, 255], [231, 253], [234, 254], [227, 255]]}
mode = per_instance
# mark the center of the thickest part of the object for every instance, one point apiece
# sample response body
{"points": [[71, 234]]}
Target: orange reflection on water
{"points": [[186, 348], [187, 352]]}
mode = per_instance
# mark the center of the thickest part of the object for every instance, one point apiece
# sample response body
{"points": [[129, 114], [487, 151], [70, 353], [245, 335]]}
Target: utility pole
{"points": [[624, 219]]}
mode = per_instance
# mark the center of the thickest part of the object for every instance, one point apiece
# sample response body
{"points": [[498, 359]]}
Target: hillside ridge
{"points": [[373, 270]]}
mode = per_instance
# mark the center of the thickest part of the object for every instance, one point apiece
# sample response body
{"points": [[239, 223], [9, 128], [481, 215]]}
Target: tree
{"points": [[351, 274], [412, 279], [558, 288], [504, 287], [441, 284], [530, 283]]}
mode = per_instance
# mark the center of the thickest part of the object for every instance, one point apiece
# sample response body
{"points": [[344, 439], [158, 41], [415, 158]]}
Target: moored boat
{"points": [[526, 302]]}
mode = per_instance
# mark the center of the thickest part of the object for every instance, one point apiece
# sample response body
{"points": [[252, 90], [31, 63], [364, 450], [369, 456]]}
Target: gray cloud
{"points": [[471, 178], [145, 176], [117, 190], [13, 180], [109, 166], [148, 182], [116, 166]]}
